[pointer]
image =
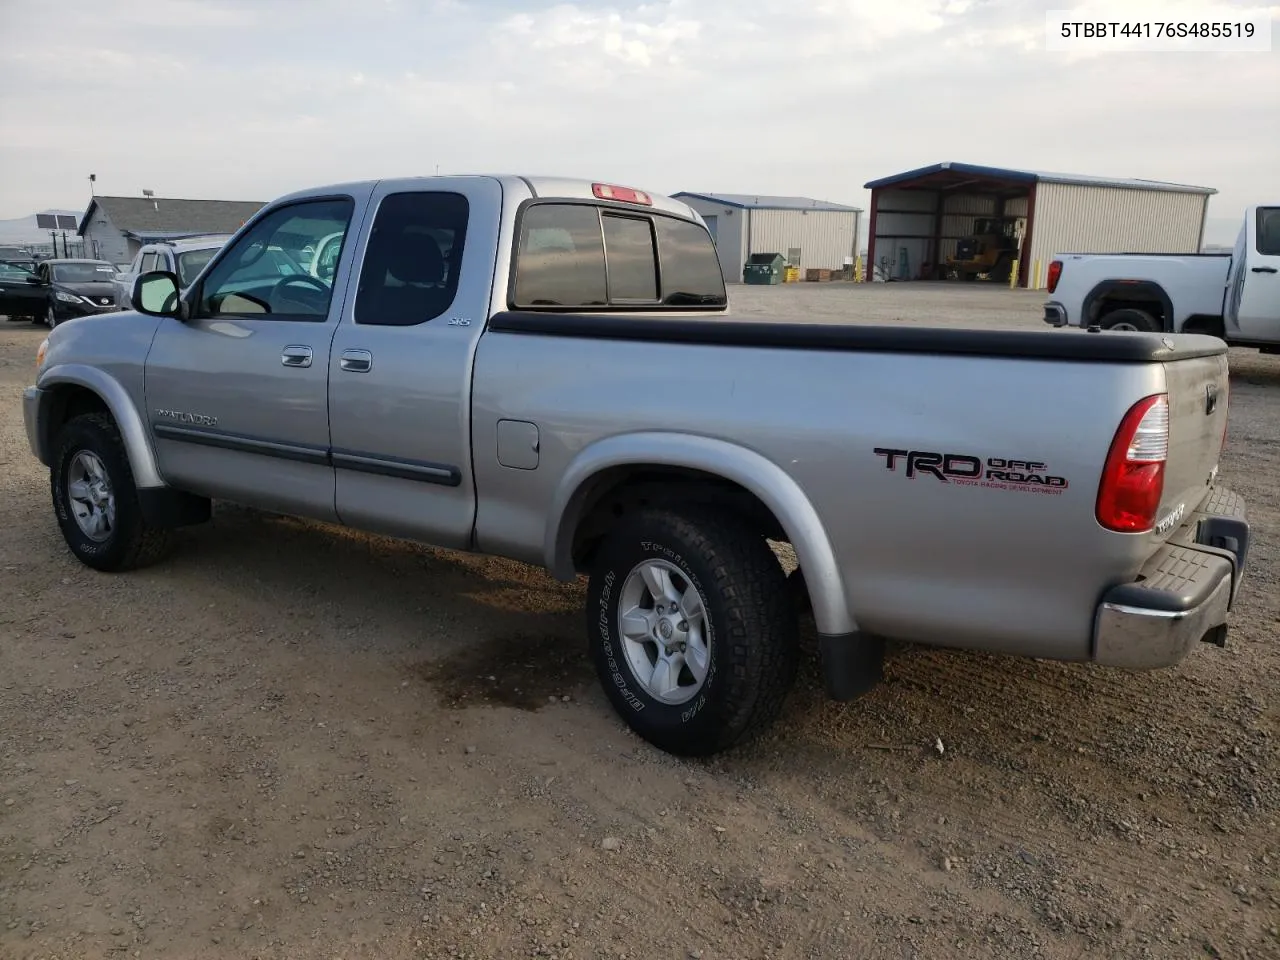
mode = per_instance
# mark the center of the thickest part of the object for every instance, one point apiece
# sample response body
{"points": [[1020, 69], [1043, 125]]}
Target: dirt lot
{"points": [[293, 741]]}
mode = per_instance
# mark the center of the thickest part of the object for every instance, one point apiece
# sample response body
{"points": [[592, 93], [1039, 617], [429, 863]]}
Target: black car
{"points": [[74, 288], [20, 299]]}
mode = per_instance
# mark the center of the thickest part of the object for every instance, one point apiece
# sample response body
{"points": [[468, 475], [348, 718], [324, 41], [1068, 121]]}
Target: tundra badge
{"points": [[202, 419]]}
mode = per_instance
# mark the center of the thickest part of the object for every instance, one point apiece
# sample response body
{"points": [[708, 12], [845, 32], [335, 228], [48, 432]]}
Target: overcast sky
{"points": [[248, 99]]}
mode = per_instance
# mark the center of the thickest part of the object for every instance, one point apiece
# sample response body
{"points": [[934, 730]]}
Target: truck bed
{"points": [[1010, 567], [1183, 284]]}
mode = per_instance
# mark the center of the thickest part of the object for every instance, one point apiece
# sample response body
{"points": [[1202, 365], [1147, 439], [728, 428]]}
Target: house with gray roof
{"points": [[808, 233], [114, 228]]}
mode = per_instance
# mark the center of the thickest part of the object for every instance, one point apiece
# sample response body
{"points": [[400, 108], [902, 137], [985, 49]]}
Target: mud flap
{"points": [[852, 664]]}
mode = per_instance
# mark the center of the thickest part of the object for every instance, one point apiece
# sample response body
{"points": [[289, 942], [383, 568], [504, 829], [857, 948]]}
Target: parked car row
{"points": [[55, 290], [52, 291]]}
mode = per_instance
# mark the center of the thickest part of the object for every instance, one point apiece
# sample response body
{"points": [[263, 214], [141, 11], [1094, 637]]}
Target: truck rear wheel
{"points": [[692, 629], [95, 498], [1129, 318]]}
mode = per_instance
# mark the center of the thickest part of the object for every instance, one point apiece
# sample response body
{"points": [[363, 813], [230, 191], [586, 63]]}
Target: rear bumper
{"points": [[1055, 314], [1183, 594]]}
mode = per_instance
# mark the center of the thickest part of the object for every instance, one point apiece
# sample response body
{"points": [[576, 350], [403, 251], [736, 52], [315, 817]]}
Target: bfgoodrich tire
{"points": [[692, 629], [96, 501]]}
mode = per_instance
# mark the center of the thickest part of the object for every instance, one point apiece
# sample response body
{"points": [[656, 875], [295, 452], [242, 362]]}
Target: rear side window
{"points": [[580, 255], [1268, 242], [690, 268], [410, 272], [561, 258]]}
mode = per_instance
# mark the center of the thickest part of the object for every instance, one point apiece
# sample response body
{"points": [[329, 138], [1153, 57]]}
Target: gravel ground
{"points": [[290, 740]]}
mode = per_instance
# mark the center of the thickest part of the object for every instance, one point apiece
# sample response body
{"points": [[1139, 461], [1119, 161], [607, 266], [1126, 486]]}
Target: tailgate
{"points": [[1197, 423]]}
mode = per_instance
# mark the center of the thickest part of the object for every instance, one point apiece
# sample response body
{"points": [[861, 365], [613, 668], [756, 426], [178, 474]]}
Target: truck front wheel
{"points": [[692, 629], [95, 498]]}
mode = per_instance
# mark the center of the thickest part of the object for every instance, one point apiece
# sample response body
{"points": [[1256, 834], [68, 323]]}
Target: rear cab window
{"points": [[574, 255]]}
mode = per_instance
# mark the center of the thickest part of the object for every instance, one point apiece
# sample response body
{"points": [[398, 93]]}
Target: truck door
{"points": [[237, 396], [400, 369], [1254, 294]]}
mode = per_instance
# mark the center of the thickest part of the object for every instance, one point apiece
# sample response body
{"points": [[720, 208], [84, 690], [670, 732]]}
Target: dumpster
{"points": [[764, 268]]}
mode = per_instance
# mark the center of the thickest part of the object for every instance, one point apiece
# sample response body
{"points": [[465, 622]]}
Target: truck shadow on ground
{"points": [[479, 630]]}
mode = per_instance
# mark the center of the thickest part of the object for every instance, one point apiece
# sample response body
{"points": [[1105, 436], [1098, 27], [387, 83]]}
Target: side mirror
{"points": [[155, 293], [34, 280]]}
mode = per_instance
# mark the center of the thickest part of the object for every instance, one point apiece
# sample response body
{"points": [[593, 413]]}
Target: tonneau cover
{"points": [[1062, 344]]}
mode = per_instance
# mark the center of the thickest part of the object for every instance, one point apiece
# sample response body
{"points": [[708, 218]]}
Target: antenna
{"points": [[152, 195], [92, 178]]}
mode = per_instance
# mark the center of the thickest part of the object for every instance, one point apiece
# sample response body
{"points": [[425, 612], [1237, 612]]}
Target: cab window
{"points": [[410, 271], [580, 255], [13, 271], [261, 277]]}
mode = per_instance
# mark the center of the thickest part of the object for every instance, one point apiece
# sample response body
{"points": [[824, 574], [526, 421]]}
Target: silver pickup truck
{"points": [[543, 369]]}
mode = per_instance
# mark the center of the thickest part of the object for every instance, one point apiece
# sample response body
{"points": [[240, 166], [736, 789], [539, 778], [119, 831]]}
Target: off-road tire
{"points": [[132, 544], [1140, 319], [753, 645]]}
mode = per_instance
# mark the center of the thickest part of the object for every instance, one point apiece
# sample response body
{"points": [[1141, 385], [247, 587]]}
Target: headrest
{"points": [[416, 258]]}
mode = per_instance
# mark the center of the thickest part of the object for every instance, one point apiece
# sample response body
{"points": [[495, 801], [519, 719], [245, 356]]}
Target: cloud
{"points": [[241, 99]]}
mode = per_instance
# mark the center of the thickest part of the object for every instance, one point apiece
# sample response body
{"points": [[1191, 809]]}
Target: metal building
{"points": [[925, 220], [808, 233]]}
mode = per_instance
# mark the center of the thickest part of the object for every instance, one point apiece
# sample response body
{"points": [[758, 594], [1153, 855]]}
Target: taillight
{"points": [[1133, 478], [1055, 271], [607, 191]]}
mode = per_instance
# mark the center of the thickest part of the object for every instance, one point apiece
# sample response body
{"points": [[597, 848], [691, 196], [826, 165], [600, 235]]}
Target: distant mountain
{"points": [[24, 229]]}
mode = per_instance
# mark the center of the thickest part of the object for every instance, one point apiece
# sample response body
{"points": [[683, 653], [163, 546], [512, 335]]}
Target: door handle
{"points": [[356, 361], [1264, 269], [296, 356]]}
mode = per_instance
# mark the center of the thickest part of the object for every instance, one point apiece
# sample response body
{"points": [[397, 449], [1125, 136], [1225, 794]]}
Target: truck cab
{"points": [[1252, 306]]}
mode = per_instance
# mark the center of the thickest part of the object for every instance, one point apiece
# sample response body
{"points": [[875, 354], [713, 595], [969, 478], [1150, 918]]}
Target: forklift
{"points": [[989, 251]]}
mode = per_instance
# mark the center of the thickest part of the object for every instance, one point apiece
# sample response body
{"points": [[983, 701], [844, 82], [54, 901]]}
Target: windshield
{"points": [[192, 262], [82, 272]]}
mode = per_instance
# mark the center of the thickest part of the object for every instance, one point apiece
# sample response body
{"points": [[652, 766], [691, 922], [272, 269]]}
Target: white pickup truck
{"points": [[1234, 296]]}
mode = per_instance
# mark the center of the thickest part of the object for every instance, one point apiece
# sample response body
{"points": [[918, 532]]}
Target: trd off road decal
{"points": [[999, 473]]}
